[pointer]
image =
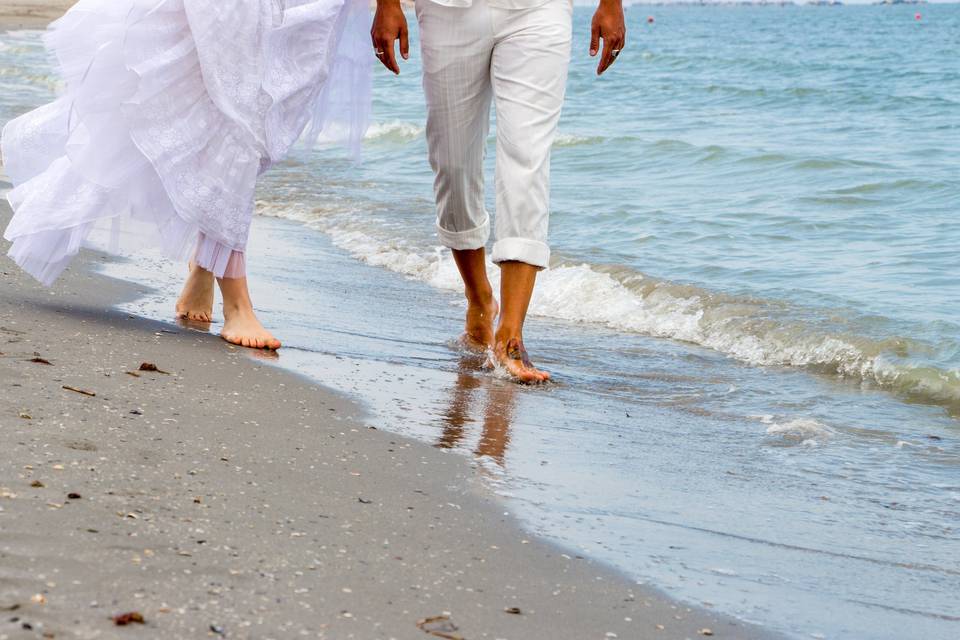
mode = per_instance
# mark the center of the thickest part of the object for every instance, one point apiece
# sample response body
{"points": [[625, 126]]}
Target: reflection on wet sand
{"points": [[477, 394]]}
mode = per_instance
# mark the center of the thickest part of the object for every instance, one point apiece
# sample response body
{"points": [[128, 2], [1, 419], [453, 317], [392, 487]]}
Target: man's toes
{"points": [[524, 375]]}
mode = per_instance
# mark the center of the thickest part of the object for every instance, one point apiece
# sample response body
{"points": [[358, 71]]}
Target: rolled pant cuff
{"points": [[532, 252], [465, 240]]}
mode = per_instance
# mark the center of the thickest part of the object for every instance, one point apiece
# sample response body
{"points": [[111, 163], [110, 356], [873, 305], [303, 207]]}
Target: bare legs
{"points": [[516, 287], [240, 325], [196, 300], [481, 306]]}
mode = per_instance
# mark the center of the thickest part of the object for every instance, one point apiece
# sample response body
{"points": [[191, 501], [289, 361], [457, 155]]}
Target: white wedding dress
{"points": [[170, 111]]}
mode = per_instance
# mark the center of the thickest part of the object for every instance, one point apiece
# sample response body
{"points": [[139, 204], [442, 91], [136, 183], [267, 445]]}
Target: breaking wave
{"points": [[751, 330]]}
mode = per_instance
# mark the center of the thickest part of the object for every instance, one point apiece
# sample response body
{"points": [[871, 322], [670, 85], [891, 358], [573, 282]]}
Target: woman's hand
{"points": [[608, 24], [390, 25]]}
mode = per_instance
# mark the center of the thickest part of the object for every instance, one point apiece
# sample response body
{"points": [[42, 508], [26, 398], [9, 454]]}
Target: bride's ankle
{"points": [[237, 306]]}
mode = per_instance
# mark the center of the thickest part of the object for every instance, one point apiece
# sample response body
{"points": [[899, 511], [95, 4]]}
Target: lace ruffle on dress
{"points": [[170, 112]]}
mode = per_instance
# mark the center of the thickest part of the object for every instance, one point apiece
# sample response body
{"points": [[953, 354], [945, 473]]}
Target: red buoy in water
{"points": [[650, 19], [917, 17]]}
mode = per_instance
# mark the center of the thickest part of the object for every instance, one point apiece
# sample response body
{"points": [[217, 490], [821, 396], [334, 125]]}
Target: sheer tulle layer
{"points": [[171, 110]]}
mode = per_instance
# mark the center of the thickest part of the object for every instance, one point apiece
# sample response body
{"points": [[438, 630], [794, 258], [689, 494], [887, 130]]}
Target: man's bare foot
{"points": [[196, 299], [240, 324], [478, 331], [512, 356]]}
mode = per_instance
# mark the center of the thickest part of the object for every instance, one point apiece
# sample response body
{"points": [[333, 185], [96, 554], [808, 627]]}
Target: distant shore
{"points": [[32, 13], [39, 13]]}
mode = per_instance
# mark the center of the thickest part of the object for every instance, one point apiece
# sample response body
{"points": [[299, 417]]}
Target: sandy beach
{"points": [[221, 496]]}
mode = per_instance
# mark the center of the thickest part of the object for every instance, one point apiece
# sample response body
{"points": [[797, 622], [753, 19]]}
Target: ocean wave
{"points": [[893, 186], [805, 431], [394, 131], [754, 331], [572, 140], [49, 82], [401, 131]]}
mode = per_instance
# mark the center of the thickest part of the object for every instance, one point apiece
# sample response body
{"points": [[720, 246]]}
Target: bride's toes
{"points": [[241, 326], [251, 340]]}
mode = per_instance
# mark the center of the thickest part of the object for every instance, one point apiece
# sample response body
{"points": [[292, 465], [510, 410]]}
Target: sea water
{"points": [[751, 315]]}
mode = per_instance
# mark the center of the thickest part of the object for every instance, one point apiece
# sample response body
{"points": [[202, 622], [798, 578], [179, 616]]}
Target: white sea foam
{"points": [[805, 431], [741, 328], [403, 131], [394, 131], [573, 140]]}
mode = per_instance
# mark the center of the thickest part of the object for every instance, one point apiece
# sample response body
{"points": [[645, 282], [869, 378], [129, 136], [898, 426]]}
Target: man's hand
{"points": [[390, 25], [608, 24]]}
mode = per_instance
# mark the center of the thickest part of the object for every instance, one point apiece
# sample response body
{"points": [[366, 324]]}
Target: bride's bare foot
{"points": [[196, 299], [240, 324], [478, 331], [510, 354]]}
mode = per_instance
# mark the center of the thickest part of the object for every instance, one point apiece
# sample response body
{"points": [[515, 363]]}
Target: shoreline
{"points": [[204, 507], [138, 519]]}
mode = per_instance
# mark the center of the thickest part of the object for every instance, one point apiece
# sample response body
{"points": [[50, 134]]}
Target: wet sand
{"points": [[229, 497]]}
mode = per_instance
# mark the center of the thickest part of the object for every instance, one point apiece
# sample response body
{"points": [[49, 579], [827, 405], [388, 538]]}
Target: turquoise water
{"points": [[751, 315]]}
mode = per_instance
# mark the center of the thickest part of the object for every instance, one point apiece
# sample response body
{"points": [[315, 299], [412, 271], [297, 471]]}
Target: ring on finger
{"points": [[615, 52], [378, 53]]}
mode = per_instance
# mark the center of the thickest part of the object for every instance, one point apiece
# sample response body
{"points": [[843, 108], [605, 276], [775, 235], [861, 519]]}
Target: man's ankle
{"points": [[480, 298], [503, 335]]}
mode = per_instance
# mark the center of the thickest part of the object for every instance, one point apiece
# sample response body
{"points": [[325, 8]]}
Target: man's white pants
{"points": [[519, 58]]}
